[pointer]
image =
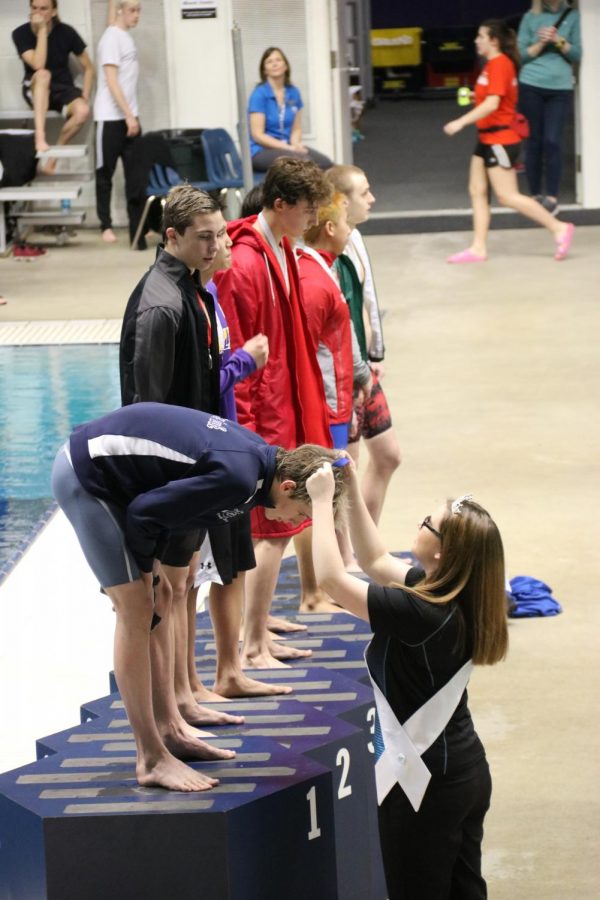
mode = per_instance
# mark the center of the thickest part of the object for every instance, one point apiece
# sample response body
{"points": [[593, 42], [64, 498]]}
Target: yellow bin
{"points": [[393, 47]]}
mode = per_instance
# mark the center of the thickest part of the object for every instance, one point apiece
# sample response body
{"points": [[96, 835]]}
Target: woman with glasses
{"points": [[431, 622]]}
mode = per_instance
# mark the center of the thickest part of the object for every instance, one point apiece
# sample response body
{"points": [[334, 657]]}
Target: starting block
{"points": [[79, 825], [336, 744], [346, 657]]}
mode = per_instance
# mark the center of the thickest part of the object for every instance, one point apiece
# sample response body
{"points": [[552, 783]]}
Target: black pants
{"points": [[435, 854], [111, 143], [267, 156], [547, 112]]}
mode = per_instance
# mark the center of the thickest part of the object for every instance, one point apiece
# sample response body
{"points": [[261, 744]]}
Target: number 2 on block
{"points": [[343, 759]]}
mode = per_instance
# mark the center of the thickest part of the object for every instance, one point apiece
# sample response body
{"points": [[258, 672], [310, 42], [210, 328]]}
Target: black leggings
{"points": [[435, 854]]}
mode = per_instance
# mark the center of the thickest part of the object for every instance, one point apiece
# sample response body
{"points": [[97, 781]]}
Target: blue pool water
{"points": [[46, 391]]}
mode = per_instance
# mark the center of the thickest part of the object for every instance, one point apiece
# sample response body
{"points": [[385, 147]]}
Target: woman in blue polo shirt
{"points": [[275, 117]]}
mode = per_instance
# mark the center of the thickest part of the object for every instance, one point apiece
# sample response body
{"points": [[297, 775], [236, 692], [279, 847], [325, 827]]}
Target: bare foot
{"points": [[262, 659], [184, 747], [273, 636], [172, 774], [48, 167], [108, 236], [277, 623], [201, 715], [284, 651], [3, 302], [240, 685], [324, 605], [203, 695]]}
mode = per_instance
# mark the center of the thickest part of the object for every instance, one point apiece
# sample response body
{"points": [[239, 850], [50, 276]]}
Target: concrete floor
{"points": [[493, 379]]}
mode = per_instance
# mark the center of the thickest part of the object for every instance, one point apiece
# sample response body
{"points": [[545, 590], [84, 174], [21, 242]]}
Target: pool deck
{"points": [[493, 378]]}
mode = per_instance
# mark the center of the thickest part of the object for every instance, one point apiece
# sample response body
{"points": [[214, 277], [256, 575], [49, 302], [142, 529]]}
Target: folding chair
{"points": [[161, 180], [223, 163]]}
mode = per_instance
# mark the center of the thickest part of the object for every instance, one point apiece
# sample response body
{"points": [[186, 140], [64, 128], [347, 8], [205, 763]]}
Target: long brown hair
{"points": [[471, 572], [506, 37], [261, 66]]}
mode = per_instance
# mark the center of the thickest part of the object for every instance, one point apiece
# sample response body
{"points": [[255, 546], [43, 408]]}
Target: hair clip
{"points": [[457, 504], [340, 461]]}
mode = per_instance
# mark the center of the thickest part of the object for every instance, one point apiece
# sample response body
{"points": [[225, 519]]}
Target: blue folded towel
{"points": [[532, 598]]}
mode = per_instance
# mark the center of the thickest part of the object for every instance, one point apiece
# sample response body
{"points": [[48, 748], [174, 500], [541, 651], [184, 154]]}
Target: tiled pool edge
{"points": [[60, 331], [24, 545]]}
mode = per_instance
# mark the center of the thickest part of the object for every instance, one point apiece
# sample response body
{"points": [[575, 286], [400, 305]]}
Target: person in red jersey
{"points": [[497, 149], [285, 402]]}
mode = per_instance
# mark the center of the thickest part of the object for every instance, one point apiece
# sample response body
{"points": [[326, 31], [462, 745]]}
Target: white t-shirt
{"points": [[116, 48]]}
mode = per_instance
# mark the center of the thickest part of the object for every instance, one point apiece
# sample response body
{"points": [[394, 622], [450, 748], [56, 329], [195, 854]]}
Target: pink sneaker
{"points": [[564, 243], [466, 256]]}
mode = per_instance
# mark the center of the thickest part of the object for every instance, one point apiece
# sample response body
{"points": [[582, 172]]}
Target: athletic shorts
{"points": [[178, 549], [226, 551], [373, 417], [60, 95], [503, 155], [99, 526]]}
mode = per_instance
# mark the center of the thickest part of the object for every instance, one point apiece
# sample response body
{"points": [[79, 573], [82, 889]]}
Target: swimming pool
{"points": [[46, 391]]}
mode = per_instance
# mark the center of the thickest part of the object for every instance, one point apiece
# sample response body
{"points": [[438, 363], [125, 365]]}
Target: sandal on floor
{"points": [[564, 243], [466, 256]]}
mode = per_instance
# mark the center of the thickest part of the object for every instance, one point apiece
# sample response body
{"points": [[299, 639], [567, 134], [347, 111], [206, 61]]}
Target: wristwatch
{"points": [[561, 43]]}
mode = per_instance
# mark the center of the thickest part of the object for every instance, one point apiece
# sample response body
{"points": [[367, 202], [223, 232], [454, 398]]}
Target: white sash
{"points": [[401, 761]]}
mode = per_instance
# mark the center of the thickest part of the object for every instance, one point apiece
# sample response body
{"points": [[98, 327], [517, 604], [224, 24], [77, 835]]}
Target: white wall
{"points": [[200, 61], [14, 13], [589, 118], [187, 77]]}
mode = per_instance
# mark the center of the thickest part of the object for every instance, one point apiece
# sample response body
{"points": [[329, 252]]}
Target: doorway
{"points": [[412, 165]]}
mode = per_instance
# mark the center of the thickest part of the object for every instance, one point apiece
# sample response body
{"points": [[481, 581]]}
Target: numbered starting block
{"points": [[77, 825], [298, 727]]}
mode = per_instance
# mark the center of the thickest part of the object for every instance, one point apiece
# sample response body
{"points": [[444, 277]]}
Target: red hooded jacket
{"points": [[328, 319], [285, 401]]}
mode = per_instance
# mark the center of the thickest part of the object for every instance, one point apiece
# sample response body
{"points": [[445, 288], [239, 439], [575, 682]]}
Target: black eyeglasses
{"points": [[426, 523]]}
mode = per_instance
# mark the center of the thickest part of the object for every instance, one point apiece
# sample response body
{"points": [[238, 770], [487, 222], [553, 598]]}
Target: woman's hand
{"points": [[453, 127], [258, 348], [299, 147], [547, 34], [321, 484]]}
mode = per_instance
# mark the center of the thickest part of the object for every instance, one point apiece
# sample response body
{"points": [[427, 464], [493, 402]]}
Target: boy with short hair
{"points": [[127, 482], [285, 401], [374, 418]]}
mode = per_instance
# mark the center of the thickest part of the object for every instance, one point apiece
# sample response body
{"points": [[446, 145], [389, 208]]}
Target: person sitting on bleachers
{"points": [[45, 44]]}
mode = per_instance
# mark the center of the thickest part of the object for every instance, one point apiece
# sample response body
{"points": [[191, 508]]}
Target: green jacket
{"points": [[352, 291]]}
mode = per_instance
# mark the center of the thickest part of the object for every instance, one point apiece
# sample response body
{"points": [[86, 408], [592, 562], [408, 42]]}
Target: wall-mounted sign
{"points": [[198, 9]]}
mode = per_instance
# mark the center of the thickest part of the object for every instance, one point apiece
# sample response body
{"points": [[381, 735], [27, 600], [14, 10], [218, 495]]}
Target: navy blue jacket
{"points": [[172, 469]]}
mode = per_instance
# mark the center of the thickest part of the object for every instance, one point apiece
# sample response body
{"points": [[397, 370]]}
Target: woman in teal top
{"points": [[274, 112], [546, 91]]}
